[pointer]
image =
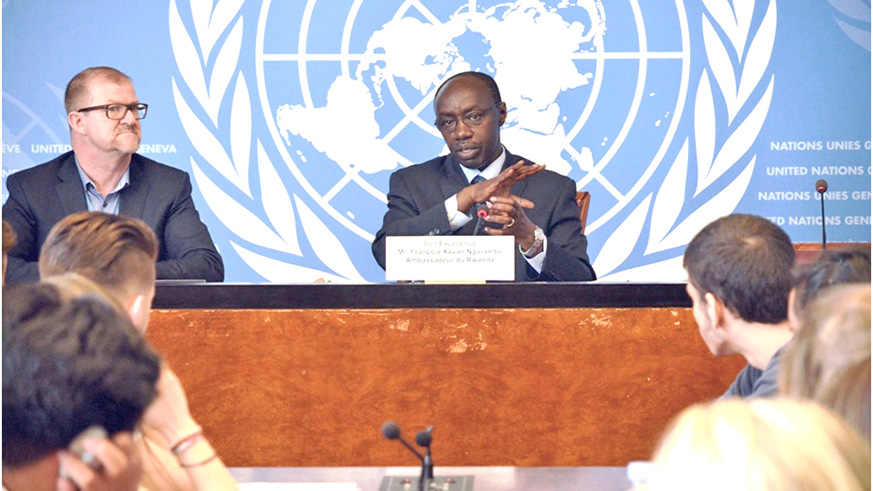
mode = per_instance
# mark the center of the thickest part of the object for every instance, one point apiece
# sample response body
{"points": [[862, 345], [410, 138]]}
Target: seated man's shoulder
{"points": [[40, 171], [154, 167]]}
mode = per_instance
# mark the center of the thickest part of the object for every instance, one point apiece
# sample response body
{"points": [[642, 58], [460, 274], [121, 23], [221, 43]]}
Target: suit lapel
{"points": [[71, 192], [133, 197], [451, 178]]}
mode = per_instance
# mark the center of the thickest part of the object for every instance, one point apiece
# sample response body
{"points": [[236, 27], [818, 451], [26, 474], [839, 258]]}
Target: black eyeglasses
{"points": [[475, 118], [119, 111]]}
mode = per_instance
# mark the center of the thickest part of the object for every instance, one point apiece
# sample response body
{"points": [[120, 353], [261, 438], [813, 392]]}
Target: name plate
{"points": [[450, 258]]}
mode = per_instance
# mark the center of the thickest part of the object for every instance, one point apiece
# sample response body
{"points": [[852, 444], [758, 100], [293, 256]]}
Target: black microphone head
{"points": [[424, 437], [390, 430], [821, 186]]}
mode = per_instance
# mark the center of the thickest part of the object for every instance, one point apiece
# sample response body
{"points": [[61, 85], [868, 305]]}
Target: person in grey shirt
{"points": [[739, 279]]}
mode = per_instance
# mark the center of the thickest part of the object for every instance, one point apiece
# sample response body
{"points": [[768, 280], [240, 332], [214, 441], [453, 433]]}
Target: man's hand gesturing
{"points": [[498, 186]]}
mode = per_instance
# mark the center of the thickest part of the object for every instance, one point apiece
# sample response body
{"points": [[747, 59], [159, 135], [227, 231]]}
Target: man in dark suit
{"points": [[524, 200], [103, 173]]}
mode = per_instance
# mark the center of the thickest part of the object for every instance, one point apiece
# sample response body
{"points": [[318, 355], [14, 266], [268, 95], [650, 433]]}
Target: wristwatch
{"points": [[536, 246]]}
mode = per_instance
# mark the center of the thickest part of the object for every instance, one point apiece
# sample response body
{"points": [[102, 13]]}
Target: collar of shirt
{"points": [[92, 194], [489, 172]]}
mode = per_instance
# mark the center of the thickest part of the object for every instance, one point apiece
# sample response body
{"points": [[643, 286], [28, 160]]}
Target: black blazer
{"points": [[416, 206], [158, 194]]}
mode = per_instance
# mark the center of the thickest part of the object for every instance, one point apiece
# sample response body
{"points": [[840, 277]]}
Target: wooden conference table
{"points": [[519, 375]]}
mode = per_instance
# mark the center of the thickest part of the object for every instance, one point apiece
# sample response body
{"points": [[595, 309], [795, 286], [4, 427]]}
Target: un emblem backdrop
{"points": [[291, 116]]}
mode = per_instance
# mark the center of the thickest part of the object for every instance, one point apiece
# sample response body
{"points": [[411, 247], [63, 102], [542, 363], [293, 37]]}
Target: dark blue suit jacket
{"points": [[416, 206], [158, 194]]}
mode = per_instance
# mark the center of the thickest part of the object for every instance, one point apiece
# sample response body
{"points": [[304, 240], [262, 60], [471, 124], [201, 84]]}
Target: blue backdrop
{"points": [[290, 116]]}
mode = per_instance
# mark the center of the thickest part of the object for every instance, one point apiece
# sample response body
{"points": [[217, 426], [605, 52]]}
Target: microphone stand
{"points": [[391, 431], [424, 439], [824, 242]]}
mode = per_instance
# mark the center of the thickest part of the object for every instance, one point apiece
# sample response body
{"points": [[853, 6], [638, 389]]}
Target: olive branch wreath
{"points": [[218, 29], [853, 12], [728, 30], [737, 61]]}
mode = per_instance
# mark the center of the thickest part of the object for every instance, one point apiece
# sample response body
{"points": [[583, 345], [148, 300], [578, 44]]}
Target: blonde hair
{"points": [[760, 445], [116, 251], [828, 360]]}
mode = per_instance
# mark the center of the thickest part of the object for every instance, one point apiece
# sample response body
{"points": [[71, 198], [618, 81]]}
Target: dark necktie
{"points": [[477, 179]]}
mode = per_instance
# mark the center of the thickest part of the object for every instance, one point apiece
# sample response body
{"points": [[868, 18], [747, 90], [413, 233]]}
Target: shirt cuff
{"points": [[537, 261], [457, 219]]}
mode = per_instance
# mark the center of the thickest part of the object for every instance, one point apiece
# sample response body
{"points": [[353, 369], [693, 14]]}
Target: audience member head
{"points": [[832, 268], [739, 274], [760, 445], [745, 261], [9, 239], [68, 365], [30, 299], [116, 252], [829, 359]]}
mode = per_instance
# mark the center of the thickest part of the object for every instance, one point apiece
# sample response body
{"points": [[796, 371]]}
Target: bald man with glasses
{"points": [[104, 173], [440, 197]]}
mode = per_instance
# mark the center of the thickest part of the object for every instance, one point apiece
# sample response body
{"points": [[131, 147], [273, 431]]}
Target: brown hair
{"points": [[69, 364], [746, 261], [77, 88], [115, 251], [832, 268], [829, 358]]}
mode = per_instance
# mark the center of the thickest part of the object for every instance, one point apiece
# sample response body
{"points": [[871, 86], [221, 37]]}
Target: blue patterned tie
{"points": [[477, 179]]}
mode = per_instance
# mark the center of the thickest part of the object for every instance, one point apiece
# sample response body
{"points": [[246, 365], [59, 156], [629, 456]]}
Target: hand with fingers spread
{"points": [[498, 186], [509, 211], [120, 466]]}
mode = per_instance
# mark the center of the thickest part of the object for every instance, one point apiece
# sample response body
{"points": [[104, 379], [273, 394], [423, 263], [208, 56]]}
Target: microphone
{"points": [[482, 213], [391, 431], [423, 439], [820, 187]]}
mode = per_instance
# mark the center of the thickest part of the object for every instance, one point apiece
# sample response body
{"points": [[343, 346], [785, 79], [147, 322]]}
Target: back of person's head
{"points": [[29, 299], [832, 268], [67, 366], [745, 261], [77, 92], [829, 358], [116, 252], [73, 285], [760, 445]]}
